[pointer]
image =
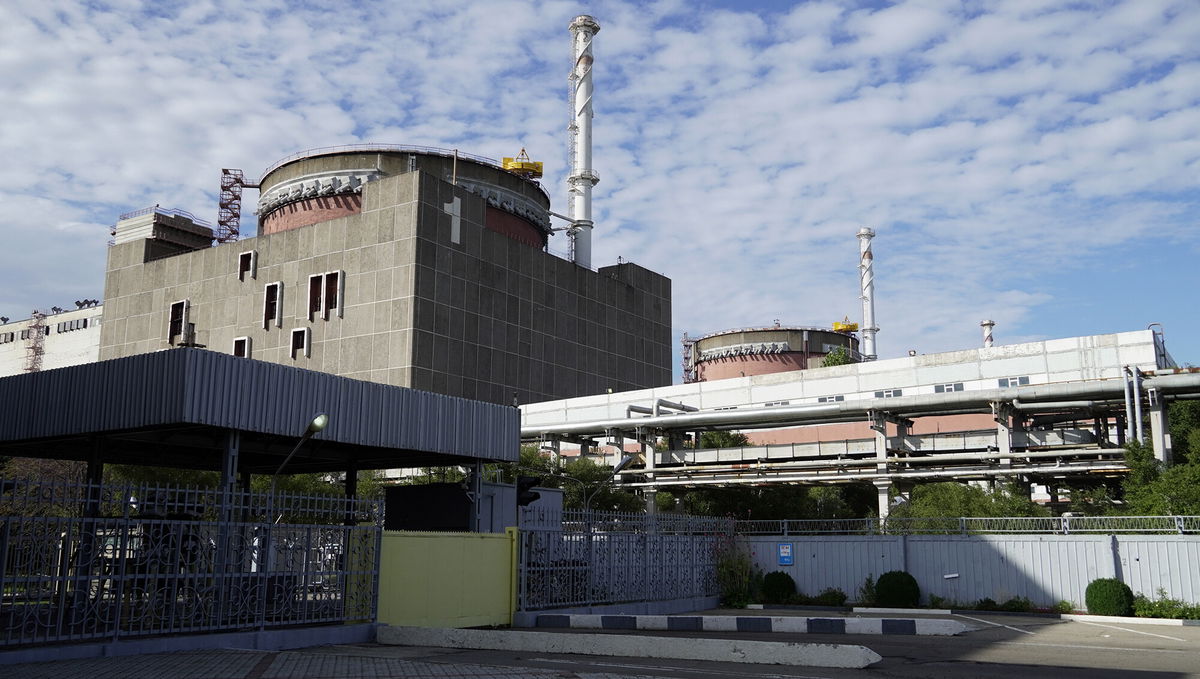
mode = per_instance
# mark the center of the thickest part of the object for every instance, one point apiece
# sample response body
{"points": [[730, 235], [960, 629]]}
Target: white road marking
{"points": [[1097, 648], [995, 624], [1126, 629], [670, 668]]}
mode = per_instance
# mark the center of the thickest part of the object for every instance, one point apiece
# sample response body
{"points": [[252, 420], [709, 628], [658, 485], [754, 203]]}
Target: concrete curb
{"points": [[715, 650], [758, 623], [1169, 622]]}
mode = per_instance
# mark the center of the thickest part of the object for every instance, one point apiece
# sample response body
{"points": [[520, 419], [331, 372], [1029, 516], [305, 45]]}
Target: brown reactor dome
{"points": [[324, 184], [761, 351]]}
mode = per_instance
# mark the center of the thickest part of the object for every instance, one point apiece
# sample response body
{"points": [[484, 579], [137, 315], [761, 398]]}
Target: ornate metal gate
{"points": [[87, 562], [574, 560]]}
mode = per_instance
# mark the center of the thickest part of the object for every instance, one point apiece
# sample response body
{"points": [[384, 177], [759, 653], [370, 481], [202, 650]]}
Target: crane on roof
{"points": [[523, 166]]}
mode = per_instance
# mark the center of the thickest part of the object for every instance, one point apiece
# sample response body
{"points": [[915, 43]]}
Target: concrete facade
{"points": [[429, 300]]}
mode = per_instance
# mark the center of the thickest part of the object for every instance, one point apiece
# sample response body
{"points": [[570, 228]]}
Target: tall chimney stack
{"points": [[582, 177], [987, 332], [866, 276]]}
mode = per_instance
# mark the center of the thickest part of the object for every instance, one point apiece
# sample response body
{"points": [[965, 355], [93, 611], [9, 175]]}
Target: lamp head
{"points": [[318, 423], [625, 462]]}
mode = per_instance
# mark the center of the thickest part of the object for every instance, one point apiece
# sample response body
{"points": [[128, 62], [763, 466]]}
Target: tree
{"points": [[581, 477], [953, 499], [723, 439], [839, 356]]}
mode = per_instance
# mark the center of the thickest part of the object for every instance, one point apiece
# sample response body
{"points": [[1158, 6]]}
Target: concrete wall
{"points": [[62, 346], [1045, 569], [447, 579], [432, 301]]}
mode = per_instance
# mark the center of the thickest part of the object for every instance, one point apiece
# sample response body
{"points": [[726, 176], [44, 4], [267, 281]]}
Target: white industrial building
{"points": [[54, 339], [1055, 409]]}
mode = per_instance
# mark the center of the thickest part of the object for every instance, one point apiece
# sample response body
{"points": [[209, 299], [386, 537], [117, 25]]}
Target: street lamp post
{"points": [[318, 422], [587, 518]]}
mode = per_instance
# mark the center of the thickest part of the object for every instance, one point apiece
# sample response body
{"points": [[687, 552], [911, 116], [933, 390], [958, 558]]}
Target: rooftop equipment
{"points": [[522, 165]]}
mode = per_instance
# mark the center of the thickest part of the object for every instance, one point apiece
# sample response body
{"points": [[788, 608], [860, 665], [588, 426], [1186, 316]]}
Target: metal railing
{"points": [[165, 211], [1060, 525], [85, 562]]}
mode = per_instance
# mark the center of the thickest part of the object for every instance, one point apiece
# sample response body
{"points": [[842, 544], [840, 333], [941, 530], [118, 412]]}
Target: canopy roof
{"points": [[177, 408]]}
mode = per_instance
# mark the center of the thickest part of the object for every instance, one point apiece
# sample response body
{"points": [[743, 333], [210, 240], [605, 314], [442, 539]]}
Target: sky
{"points": [[1027, 161]]}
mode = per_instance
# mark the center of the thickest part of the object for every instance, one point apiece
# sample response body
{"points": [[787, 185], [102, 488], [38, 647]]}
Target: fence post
{"points": [[962, 525], [1179, 524]]}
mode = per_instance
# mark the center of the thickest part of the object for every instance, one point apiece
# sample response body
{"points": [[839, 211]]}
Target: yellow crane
{"points": [[522, 165], [845, 325]]}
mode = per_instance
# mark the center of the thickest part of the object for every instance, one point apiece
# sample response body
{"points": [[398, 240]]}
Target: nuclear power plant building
{"points": [[406, 266]]}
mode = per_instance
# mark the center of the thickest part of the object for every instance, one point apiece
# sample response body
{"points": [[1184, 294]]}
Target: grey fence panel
{"points": [[963, 569], [1150, 562], [1045, 569], [838, 561]]}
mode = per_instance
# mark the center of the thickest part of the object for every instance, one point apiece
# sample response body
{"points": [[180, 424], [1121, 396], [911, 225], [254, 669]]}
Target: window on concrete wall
{"points": [[316, 285], [6, 337], [325, 294], [177, 320], [301, 343], [1013, 381], [772, 404], [889, 393], [273, 305], [241, 347], [947, 388], [334, 292], [248, 265], [831, 399]]}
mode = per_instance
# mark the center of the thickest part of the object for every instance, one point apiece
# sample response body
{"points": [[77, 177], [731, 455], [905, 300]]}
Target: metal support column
{"points": [[649, 454], [1002, 414], [1160, 434]]}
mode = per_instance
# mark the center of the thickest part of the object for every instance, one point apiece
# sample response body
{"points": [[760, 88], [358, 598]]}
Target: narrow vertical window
{"points": [[248, 265], [273, 305], [177, 320], [314, 296], [333, 293], [241, 347], [300, 342]]}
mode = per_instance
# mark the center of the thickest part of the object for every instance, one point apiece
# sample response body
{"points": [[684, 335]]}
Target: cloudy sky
{"points": [[1021, 161]]}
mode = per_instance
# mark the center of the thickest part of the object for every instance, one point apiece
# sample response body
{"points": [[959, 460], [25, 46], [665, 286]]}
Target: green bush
{"points": [[866, 594], [897, 589], [1164, 607], [830, 596], [1017, 604], [735, 577], [1109, 596], [778, 588], [1064, 606], [986, 604]]}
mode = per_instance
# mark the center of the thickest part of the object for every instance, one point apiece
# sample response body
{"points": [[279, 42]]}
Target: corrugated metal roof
{"points": [[268, 402]]}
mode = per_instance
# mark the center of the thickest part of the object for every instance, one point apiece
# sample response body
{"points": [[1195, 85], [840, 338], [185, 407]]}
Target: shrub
{"points": [[1164, 607], [1063, 606], [986, 604], [867, 595], [778, 588], [735, 576], [897, 589], [1109, 596], [1017, 604], [830, 596]]}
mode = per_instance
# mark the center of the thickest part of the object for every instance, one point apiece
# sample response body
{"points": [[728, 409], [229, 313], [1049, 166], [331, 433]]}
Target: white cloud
{"points": [[1002, 152]]}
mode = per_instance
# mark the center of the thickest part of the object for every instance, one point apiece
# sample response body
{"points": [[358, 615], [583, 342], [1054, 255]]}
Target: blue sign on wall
{"points": [[785, 554]]}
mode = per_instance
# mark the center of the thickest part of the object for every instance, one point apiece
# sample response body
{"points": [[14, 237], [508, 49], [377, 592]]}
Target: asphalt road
{"points": [[1002, 646]]}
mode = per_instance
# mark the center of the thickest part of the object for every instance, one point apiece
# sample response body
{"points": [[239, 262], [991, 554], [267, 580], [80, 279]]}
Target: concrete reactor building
{"points": [[410, 266]]}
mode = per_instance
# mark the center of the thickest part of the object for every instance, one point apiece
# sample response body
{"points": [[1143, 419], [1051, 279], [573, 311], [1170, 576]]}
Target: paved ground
{"points": [[1003, 646]]}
